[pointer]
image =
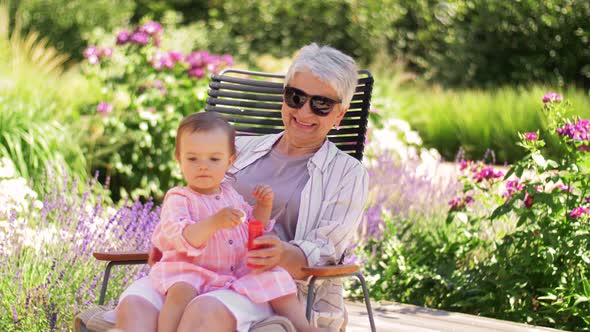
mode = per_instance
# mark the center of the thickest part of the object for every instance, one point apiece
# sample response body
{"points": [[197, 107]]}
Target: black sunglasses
{"points": [[319, 105]]}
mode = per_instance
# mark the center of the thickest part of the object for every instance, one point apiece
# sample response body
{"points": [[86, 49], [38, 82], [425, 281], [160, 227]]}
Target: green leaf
{"points": [[500, 211], [521, 220], [581, 299], [539, 159]]}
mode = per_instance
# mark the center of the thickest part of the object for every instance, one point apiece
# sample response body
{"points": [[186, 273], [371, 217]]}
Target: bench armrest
{"points": [[331, 270], [121, 256]]}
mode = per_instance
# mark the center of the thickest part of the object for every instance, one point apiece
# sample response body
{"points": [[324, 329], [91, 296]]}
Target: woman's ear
{"points": [[340, 116]]}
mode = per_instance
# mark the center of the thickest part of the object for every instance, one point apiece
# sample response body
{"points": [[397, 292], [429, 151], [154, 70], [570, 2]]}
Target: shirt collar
{"points": [[321, 158]]}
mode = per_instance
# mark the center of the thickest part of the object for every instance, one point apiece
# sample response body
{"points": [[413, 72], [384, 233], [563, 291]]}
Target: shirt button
{"points": [[231, 241], [232, 268], [217, 197]]}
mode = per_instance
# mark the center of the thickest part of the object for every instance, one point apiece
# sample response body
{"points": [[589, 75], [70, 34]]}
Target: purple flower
{"points": [[584, 147], [175, 56], [529, 200], [123, 37], [530, 136], [105, 52], [512, 187], [579, 211], [550, 97], [90, 51], [459, 203], [464, 164], [487, 173], [579, 131], [104, 108], [140, 38], [228, 59], [92, 54], [197, 59], [197, 72], [151, 28]]}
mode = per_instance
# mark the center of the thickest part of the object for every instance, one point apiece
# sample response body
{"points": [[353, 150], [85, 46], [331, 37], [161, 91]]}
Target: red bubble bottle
{"points": [[255, 229]]}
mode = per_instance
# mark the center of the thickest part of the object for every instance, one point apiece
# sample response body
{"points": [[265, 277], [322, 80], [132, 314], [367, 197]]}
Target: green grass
{"points": [[474, 120]]}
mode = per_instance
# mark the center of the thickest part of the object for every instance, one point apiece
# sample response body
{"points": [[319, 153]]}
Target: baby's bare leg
{"points": [[290, 307], [178, 297]]}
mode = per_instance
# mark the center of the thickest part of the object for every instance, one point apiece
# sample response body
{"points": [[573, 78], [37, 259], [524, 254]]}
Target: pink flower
{"points": [[106, 52], [463, 165], [104, 108], [90, 51], [529, 200], [176, 56], [530, 136], [123, 37], [151, 27], [550, 97], [228, 59], [578, 212], [197, 72], [140, 38], [584, 147]]}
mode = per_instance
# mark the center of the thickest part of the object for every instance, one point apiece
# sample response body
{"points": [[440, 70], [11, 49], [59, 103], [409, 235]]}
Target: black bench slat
{"points": [[253, 107], [243, 103], [247, 96], [236, 87]]}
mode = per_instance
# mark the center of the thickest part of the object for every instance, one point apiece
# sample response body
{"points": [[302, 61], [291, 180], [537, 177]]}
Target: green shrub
{"points": [[490, 43], [147, 90], [68, 24], [37, 104]]}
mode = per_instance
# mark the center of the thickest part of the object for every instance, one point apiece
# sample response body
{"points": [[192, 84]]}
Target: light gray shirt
{"points": [[331, 206], [286, 176]]}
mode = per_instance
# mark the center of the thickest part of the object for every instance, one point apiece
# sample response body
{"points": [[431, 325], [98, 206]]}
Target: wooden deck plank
{"points": [[404, 317]]}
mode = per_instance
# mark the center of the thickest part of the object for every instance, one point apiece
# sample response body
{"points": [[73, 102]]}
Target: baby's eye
{"points": [[192, 159], [215, 159]]}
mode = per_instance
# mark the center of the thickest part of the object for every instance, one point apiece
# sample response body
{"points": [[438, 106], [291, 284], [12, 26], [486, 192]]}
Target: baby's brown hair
{"points": [[205, 121]]}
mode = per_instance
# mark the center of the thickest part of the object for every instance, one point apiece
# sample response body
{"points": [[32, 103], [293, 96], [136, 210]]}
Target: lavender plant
{"points": [[47, 273], [536, 270], [146, 92]]}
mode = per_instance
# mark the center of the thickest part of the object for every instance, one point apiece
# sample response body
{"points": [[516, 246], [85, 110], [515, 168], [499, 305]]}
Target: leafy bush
{"points": [[514, 246], [146, 92], [48, 273], [539, 272], [68, 24], [489, 43], [37, 102]]}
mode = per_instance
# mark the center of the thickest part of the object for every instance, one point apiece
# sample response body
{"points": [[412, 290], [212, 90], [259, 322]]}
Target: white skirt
{"points": [[244, 311]]}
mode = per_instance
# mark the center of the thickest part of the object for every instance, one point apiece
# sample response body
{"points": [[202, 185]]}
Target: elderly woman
{"points": [[320, 193]]}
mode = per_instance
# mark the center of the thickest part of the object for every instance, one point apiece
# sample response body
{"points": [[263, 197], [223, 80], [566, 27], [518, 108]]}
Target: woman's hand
{"points": [[270, 253]]}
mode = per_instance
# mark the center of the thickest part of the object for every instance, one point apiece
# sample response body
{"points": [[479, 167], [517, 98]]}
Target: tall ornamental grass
{"points": [[474, 120], [37, 105], [47, 273]]}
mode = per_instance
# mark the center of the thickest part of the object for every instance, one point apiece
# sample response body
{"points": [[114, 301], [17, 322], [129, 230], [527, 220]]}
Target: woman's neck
{"points": [[287, 148]]}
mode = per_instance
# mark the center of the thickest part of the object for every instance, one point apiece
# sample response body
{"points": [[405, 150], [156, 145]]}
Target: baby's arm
{"points": [[263, 207], [198, 234]]}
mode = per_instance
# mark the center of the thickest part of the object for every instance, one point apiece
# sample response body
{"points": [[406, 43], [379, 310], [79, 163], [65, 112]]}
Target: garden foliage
{"points": [[147, 90], [47, 273], [514, 245]]}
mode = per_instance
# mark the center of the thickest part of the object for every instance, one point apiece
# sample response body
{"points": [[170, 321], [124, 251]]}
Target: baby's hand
{"points": [[263, 194], [228, 218]]}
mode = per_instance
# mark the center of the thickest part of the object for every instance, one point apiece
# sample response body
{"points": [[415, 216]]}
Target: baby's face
{"points": [[204, 158]]}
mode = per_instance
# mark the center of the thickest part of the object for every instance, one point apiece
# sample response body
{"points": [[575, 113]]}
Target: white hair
{"points": [[330, 66]]}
